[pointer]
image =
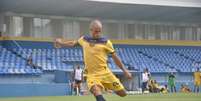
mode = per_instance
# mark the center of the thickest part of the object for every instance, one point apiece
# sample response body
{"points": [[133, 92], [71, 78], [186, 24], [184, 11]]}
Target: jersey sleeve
{"points": [[109, 47], [80, 41]]}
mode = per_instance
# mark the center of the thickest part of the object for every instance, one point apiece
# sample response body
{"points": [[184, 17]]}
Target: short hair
{"points": [[95, 23]]}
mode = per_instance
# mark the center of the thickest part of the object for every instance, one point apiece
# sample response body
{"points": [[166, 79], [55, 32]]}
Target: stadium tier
{"points": [[155, 58]]}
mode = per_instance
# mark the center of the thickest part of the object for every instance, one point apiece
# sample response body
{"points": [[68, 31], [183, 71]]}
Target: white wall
{"points": [[73, 28]]}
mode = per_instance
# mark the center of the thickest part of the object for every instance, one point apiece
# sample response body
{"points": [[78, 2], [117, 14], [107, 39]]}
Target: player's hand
{"points": [[57, 43], [128, 74]]}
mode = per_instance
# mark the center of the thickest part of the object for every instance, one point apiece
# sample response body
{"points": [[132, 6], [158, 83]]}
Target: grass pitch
{"points": [[143, 97]]}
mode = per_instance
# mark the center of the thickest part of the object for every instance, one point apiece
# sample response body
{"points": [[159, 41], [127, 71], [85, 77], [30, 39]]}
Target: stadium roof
{"points": [[176, 3], [140, 10]]}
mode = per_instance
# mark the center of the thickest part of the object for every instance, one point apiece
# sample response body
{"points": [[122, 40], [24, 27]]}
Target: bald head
{"points": [[95, 28]]}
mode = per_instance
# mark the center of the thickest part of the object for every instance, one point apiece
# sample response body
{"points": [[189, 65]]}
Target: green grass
{"points": [[145, 97]]}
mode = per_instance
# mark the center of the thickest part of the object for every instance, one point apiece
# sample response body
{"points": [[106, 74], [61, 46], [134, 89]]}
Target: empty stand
{"points": [[156, 59]]}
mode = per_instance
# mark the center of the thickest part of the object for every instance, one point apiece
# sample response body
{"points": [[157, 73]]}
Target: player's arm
{"points": [[121, 66], [62, 43]]}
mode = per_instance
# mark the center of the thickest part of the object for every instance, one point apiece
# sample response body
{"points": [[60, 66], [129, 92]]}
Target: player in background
{"points": [[197, 80], [78, 78]]}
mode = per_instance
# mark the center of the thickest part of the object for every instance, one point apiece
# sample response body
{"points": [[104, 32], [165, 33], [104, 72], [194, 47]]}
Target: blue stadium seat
{"points": [[156, 59]]}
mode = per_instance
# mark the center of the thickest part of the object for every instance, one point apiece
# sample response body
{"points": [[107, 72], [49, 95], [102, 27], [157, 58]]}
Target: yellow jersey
{"points": [[197, 76], [96, 54]]}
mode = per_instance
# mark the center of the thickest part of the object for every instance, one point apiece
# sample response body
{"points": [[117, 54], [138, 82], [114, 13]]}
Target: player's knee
{"points": [[96, 90], [121, 93]]}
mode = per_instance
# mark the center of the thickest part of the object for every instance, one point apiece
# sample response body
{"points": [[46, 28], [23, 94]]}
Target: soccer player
{"points": [[146, 75], [171, 82], [197, 80], [78, 77], [96, 50]]}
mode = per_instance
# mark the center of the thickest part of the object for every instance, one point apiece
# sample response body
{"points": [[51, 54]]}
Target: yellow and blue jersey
{"points": [[95, 59], [197, 78], [95, 54]]}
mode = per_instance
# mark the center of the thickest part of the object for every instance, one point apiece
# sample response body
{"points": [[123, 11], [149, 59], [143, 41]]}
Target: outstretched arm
{"points": [[121, 66], [62, 43]]}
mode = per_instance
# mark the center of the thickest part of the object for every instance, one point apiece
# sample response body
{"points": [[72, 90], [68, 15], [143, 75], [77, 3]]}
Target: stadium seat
{"points": [[156, 59]]}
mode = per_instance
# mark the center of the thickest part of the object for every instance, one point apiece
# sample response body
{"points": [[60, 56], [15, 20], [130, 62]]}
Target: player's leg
{"points": [[175, 89], [77, 90], [96, 90], [194, 90], [171, 88], [75, 87], [72, 87], [196, 87], [121, 93], [115, 85], [95, 86], [143, 86], [79, 87]]}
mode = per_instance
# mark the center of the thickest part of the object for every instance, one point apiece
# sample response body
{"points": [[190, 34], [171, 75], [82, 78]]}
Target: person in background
{"points": [[78, 78], [145, 79], [164, 89], [31, 64], [184, 89], [171, 82], [197, 80]]}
